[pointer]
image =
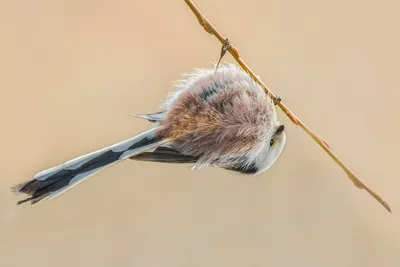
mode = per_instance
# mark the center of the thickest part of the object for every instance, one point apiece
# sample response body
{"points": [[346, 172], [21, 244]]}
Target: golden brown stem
{"points": [[208, 27]]}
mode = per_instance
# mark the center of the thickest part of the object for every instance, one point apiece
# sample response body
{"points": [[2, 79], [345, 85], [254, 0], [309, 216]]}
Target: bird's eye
{"points": [[272, 142]]}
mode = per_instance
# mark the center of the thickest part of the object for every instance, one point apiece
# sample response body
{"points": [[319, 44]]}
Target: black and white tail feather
{"points": [[52, 182]]}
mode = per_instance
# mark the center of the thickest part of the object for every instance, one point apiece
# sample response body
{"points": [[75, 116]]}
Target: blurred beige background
{"points": [[72, 71]]}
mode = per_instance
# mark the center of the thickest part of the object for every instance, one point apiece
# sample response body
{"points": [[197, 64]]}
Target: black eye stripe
{"points": [[280, 129]]}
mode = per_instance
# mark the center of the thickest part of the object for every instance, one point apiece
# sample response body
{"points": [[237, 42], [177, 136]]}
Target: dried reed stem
{"points": [[208, 27]]}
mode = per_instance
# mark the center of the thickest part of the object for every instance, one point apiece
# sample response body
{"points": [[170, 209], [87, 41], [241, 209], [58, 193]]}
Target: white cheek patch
{"points": [[273, 153]]}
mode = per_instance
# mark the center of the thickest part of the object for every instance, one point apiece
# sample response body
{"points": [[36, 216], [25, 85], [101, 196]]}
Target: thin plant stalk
{"points": [[210, 28]]}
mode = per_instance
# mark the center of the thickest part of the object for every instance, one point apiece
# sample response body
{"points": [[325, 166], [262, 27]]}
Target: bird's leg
{"points": [[225, 47], [277, 100]]}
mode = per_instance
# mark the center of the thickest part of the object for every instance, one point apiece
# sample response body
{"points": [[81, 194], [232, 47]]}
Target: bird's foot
{"points": [[225, 47], [277, 100]]}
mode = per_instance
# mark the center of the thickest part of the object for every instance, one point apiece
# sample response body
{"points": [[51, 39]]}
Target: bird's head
{"points": [[272, 149], [276, 146]]}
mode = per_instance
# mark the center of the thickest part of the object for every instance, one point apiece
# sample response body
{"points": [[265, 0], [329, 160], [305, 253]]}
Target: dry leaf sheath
{"points": [[208, 27]]}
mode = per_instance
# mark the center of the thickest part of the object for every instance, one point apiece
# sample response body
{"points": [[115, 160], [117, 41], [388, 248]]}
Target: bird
{"points": [[221, 119]]}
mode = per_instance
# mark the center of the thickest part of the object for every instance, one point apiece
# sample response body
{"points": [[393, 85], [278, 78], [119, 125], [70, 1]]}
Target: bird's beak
{"points": [[276, 150]]}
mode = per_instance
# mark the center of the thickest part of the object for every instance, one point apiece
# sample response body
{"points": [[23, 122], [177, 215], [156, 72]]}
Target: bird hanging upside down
{"points": [[212, 119]]}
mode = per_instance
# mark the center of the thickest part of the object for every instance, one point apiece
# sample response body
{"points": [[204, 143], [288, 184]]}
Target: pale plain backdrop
{"points": [[72, 71]]}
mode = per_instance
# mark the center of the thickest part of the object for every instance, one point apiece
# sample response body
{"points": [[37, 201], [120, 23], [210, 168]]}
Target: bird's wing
{"points": [[165, 154], [153, 117]]}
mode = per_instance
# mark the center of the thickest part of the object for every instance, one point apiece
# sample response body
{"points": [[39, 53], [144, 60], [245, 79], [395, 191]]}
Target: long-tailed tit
{"points": [[212, 119]]}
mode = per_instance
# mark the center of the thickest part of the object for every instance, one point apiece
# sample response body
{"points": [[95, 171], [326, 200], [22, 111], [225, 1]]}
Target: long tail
{"points": [[52, 182]]}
